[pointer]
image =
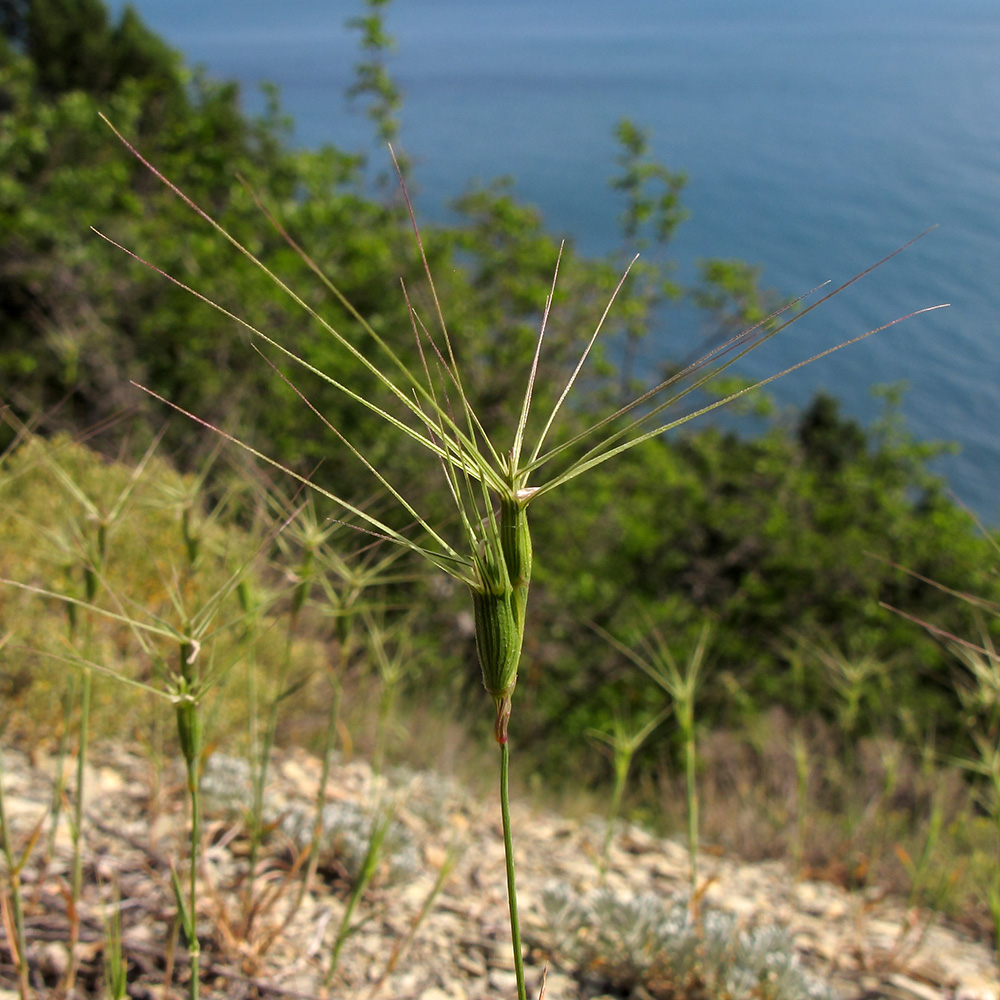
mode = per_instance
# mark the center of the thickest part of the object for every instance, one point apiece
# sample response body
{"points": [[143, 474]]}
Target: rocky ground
{"points": [[414, 934]]}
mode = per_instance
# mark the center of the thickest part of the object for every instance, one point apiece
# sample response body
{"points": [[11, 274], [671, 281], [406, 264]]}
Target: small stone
{"points": [[472, 964], [920, 990], [557, 986], [301, 776], [454, 992], [435, 856], [110, 780], [977, 988], [54, 959], [882, 932], [503, 982]]}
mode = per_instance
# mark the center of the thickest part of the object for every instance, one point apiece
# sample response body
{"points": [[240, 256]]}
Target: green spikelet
{"points": [[498, 642], [504, 570], [515, 539], [189, 729]]}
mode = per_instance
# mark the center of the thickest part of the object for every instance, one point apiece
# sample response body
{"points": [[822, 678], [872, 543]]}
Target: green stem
{"points": [[58, 791], [76, 890], [386, 705], [508, 849], [317, 830], [690, 756], [194, 946], [800, 751], [263, 762], [368, 866], [621, 776], [14, 881]]}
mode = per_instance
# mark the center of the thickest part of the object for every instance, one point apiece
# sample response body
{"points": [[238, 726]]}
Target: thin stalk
{"points": [[77, 878], [317, 832], [90, 578], [368, 866], [115, 963], [14, 877], [189, 731], [193, 945], [508, 850], [800, 753], [621, 776], [386, 706], [994, 890], [400, 947], [690, 759], [59, 789], [264, 759], [255, 759]]}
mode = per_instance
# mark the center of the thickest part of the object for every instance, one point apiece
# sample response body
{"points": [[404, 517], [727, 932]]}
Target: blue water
{"points": [[818, 137]]}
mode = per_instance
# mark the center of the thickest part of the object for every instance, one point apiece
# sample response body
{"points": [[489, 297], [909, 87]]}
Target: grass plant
{"points": [[13, 896], [977, 684], [401, 946], [751, 760], [491, 485], [369, 864], [115, 962], [622, 741], [803, 769], [182, 653], [392, 654], [88, 553], [980, 693], [348, 589], [853, 677], [681, 685]]}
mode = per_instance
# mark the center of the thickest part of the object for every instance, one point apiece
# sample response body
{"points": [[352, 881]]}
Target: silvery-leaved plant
{"points": [[492, 485]]}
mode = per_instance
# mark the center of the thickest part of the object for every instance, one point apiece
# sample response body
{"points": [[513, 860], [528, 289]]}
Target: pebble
{"points": [[503, 982], [976, 987]]}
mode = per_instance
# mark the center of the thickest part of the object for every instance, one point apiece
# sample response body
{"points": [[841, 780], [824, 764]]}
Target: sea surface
{"points": [[818, 137]]}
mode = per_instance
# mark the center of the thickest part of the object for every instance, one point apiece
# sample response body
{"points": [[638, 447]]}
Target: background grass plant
{"points": [[622, 742], [681, 684], [13, 896]]}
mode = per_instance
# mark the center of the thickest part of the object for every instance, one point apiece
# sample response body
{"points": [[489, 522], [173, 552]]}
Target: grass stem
{"points": [[19, 947], [508, 850], [77, 876], [380, 828], [329, 741], [193, 945]]}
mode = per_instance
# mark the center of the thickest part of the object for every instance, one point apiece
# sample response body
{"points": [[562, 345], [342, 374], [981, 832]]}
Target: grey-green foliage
{"points": [[347, 827], [347, 830], [226, 784], [630, 940]]}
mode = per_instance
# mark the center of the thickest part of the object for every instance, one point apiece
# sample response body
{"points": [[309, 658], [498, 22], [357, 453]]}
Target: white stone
{"points": [[978, 988], [916, 988]]}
